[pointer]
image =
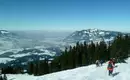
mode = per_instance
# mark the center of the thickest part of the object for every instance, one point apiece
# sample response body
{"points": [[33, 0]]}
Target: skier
{"points": [[110, 67], [97, 63], [114, 61], [101, 62]]}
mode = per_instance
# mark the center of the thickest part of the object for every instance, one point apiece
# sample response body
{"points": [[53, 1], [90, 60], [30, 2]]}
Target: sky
{"points": [[60, 15]]}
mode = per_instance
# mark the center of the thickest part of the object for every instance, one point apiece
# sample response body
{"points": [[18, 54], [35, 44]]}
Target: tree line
{"points": [[83, 54]]}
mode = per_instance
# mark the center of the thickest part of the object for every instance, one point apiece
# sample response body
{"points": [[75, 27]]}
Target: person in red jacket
{"points": [[110, 67]]}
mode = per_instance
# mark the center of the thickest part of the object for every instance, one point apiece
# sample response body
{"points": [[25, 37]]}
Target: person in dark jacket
{"points": [[101, 62]]}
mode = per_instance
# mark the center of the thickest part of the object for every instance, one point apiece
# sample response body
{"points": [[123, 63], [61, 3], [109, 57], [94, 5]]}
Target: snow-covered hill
{"points": [[4, 32], [5, 60], [94, 35], [23, 56], [121, 72]]}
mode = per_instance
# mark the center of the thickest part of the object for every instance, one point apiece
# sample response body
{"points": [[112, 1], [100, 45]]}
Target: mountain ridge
{"points": [[95, 35]]}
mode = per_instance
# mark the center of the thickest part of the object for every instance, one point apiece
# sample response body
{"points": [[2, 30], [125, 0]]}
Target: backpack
{"points": [[110, 65]]}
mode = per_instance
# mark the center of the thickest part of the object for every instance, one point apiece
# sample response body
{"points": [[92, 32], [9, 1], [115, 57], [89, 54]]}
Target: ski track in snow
{"points": [[91, 72]]}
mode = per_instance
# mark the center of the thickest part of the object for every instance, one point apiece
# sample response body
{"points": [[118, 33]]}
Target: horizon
{"points": [[65, 15], [62, 31]]}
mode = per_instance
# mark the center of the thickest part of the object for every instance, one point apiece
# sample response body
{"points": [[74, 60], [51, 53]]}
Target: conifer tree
{"points": [[30, 68]]}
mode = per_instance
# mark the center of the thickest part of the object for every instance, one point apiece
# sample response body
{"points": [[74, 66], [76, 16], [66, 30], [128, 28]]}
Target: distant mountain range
{"points": [[94, 35], [20, 47]]}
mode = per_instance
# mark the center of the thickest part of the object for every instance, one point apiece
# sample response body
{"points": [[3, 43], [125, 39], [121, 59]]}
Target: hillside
{"points": [[121, 72], [48, 48], [95, 35]]}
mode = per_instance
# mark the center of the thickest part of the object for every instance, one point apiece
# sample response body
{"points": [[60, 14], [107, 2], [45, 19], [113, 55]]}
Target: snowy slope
{"points": [[83, 73]]}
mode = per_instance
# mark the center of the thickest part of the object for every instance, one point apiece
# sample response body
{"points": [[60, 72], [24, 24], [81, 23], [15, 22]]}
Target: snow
{"points": [[94, 34], [101, 33], [91, 39], [39, 47], [21, 77], [10, 50], [86, 32], [4, 32], [46, 52], [27, 54], [93, 30], [73, 34], [5, 60], [20, 55], [121, 72], [107, 40]]}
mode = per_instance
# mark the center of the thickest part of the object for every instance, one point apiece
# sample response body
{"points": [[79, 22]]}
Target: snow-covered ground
{"points": [[121, 72], [46, 52]]}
